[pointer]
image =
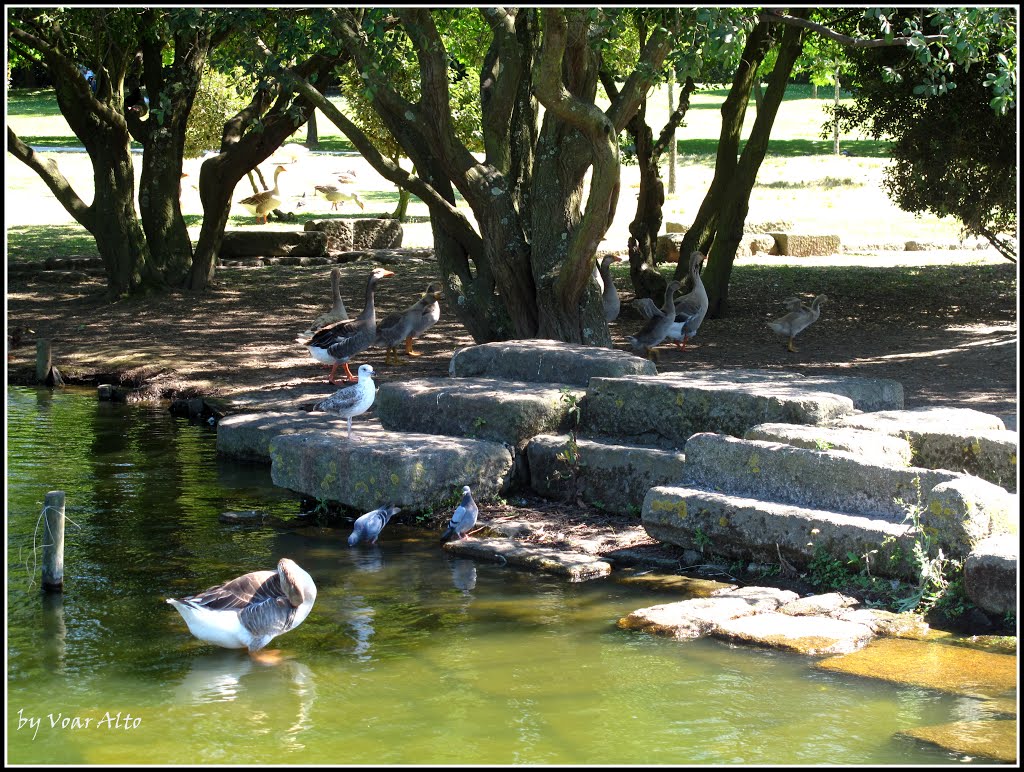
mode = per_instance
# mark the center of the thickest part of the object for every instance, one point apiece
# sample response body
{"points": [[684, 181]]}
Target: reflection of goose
{"points": [[250, 611]]}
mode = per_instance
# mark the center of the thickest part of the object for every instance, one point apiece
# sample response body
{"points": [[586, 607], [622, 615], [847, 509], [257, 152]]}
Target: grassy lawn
{"points": [[800, 181]]}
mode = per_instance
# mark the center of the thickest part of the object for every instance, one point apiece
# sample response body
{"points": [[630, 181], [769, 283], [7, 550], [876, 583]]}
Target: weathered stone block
{"points": [[510, 412], [338, 233], [272, 243], [803, 635], [545, 361], [247, 436], [666, 248], [575, 566], [967, 510], [883, 448], [806, 245], [695, 617], [415, 471], [615, 477], [990, 574], [667, 409], [376, 233]]}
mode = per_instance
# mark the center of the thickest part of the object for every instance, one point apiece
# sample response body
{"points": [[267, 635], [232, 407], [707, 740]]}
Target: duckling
{"points": [[352, 400], [799, 318], [250, 611], [657, 327], [337, 343], [262, 204]]}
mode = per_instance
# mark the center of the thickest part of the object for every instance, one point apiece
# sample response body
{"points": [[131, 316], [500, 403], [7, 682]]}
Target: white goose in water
{"points": [[250, 611]]}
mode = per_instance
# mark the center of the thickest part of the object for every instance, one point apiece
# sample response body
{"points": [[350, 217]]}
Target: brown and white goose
{"points": [[337, 343], [429, 317], [399, 326], [337, 195], [262, 204]]}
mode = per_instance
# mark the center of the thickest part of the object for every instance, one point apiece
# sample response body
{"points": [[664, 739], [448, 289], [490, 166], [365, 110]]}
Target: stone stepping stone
{"points": [[695, 617], [247, 436], [883, 448], [993, 739], [800, 634], [575, 566]]}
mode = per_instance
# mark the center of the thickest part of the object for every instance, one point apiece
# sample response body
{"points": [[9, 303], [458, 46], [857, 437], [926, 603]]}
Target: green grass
{"points": [[38, 242]]}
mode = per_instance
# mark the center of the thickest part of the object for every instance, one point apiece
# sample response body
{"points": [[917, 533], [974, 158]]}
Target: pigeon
{"points": [[352, 400], [463, 518], [368, 527]]}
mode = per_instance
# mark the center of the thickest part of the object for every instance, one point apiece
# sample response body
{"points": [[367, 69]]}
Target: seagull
{"points": [[352, 400], [250, 611], [463, 518], [368, 527]]}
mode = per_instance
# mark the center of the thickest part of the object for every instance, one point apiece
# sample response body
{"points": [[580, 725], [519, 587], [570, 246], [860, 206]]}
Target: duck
{"points": [[368, 527], [336, 195], [352, 400], [691, 308], [250, 611], [262, 204], [463, 518], [657, 327], [336, 343], [799, 318], [337, 313], [609, 295], [411, 323]]}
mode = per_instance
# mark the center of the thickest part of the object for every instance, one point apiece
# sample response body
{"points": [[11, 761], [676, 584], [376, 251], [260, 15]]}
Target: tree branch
{"points": [[777, 17], [49, 173]]}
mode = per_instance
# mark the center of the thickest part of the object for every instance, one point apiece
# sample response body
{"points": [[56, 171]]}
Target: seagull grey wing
{"points": [[234, 594], [341, 400]]}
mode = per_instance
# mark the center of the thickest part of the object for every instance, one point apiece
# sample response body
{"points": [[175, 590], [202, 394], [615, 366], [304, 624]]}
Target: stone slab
{"points": [[613, 476], [801, 634], [993, 739], [806, 244], [575, 566], [289, 399], [665, 410], [990, 574], [270, 243], [504, 411], [414, 471], [545, 361], [247, 436], [884, 448]]}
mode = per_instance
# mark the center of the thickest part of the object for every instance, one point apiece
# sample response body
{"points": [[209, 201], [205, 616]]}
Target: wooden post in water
{"points": [[53, 542], [44, 360]]}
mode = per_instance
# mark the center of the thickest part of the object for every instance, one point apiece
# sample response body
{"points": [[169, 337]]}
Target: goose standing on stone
{"points": [[602, 275], [337, 313], [799, 318], [248, 612], [657, 327], [262, 204], [337, 343], [691, 308], [367, 527], [463, 518], [352, 400]]}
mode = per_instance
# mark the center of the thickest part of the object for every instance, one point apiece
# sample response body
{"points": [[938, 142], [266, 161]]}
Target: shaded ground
{"points": [[947, 332]]}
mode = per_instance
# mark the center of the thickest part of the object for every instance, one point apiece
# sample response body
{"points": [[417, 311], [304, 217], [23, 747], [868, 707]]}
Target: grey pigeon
{"points": [[368, 527], [463, 518]]}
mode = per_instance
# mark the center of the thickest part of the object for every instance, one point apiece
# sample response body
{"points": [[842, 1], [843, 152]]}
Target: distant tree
{"points": [[220, 96], [954, 142]]}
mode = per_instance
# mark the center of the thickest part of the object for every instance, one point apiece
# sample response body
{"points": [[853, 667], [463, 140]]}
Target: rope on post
{"points": [[53, 542]]}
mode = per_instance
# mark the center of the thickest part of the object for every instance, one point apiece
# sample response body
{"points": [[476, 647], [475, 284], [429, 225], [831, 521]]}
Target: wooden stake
{"points": [[44, 360], [53, 542]]}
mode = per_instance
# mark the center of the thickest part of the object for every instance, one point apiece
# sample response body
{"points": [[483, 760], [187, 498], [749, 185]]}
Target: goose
{"points": [[657, 327], [262, 204], [396, 327], [799, 318], [431, 313], [352, 400], [250, 611], [691, 307], [463, 518], [609, 295], [336, 195], [338, 313], [368, 527], [336, 343]]}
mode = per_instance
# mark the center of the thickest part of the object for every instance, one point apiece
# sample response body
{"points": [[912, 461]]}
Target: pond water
{"points": [[408, 657]]}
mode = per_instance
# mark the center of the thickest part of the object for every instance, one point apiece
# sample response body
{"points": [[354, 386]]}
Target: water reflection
{"points": [[463, 574]]}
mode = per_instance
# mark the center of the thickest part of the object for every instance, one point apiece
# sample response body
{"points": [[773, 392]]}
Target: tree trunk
{"points": [[758, 95], [672, 149], [312, 138], [401, 212], [734, 202], [835, 127]]}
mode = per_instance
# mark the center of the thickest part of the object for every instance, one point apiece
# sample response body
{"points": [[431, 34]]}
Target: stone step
{"points": [[610, 475], [959, 439], [736, 527], [416, 471], [961, 509], [510, 412], [883, 448], [990, 574], [545, 361], [576, 566], [247, 436], [667, 409]]}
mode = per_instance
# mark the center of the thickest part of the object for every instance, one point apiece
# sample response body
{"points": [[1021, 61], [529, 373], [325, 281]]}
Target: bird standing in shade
{"points": [[463, 518], [431, 313], [248, 612], [367, 527], [657, 327], [799, 318], [352, 400], [337, 312], [602, 276]]}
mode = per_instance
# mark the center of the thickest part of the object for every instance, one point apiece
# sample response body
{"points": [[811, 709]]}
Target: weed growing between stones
{"points": [[570, 455]]}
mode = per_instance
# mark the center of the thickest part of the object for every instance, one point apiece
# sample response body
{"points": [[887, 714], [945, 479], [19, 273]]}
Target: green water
{"points": [[408, 657]]}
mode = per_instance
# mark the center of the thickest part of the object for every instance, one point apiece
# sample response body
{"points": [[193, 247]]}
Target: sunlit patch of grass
{"points": [[827, 183], [38, 242]]}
